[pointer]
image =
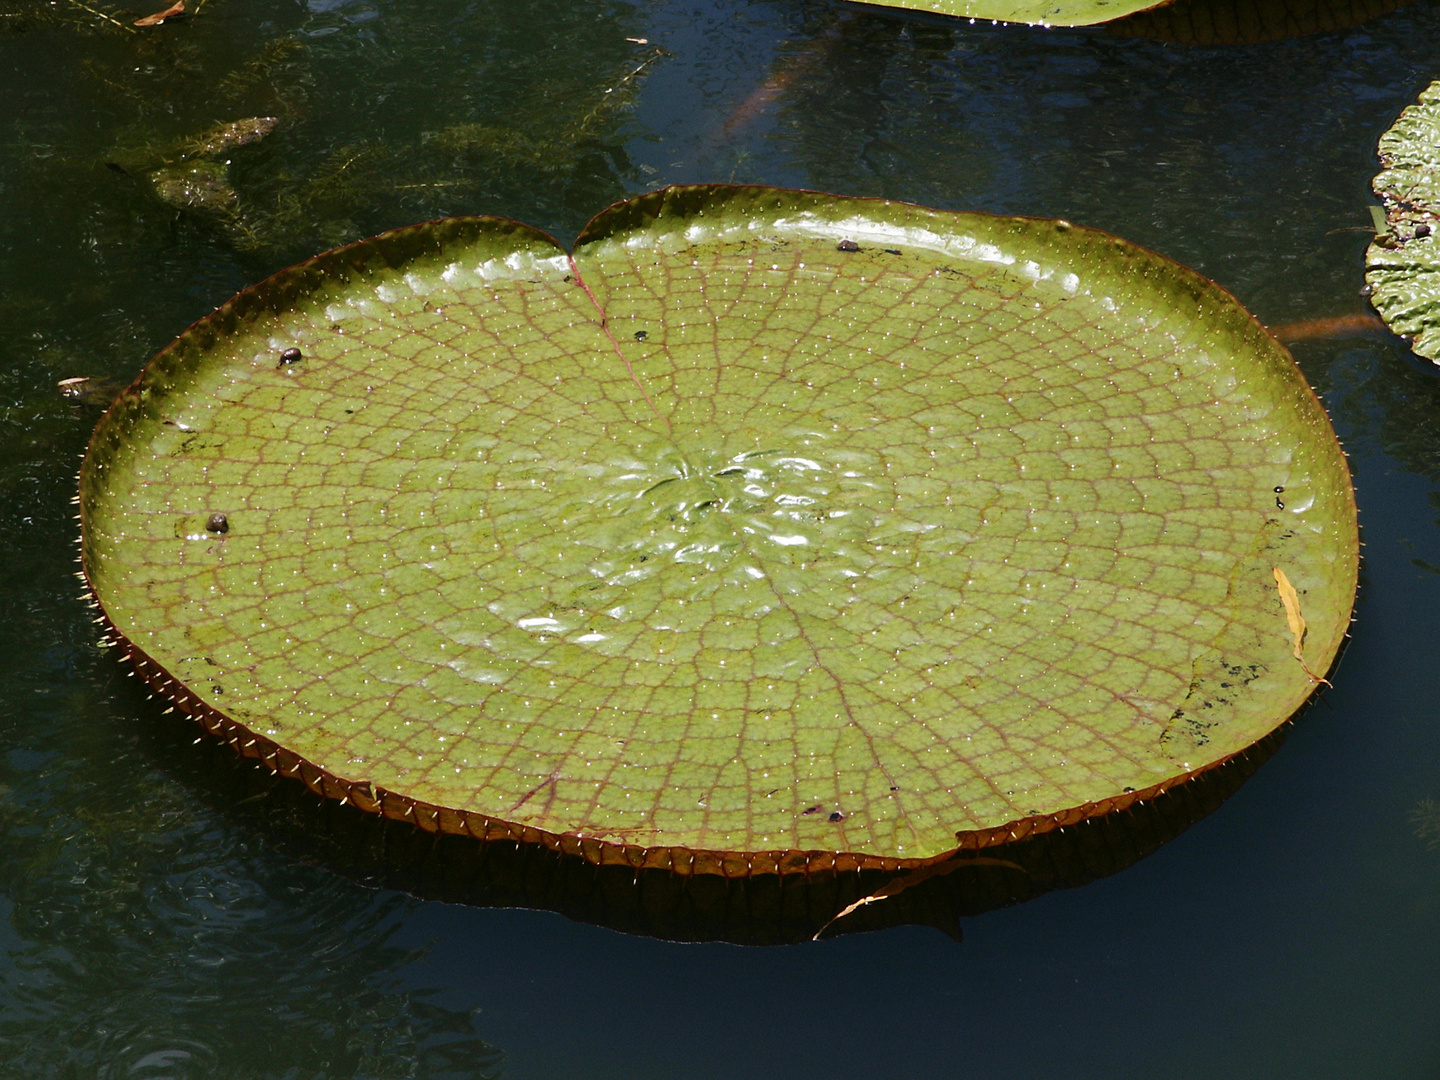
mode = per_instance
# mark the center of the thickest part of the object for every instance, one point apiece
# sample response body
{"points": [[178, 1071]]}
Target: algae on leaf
{"points": [[768, 530], [1402, 266]]}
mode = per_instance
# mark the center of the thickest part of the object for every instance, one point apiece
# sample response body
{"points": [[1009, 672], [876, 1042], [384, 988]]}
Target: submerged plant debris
{"points": [[185, 134]]}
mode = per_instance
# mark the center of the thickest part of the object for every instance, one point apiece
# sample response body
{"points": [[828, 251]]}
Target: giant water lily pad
{"points": [[771, 530], [1402, 266]]}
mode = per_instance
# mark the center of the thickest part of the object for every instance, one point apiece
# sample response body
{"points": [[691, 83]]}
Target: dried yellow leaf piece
{"points": [[1291, 600]]}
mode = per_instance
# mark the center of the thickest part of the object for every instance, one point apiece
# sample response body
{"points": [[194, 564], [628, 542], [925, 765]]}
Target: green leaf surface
{"points": [[1402, 266], [773, 523]]}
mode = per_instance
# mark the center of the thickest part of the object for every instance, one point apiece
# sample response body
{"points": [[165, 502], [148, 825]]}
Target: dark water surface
{"points": [[151, 928]]}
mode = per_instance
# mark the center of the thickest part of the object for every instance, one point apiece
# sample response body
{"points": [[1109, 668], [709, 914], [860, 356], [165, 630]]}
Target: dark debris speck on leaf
{"points": [[217, 523], [641, 335], [836, 815]]}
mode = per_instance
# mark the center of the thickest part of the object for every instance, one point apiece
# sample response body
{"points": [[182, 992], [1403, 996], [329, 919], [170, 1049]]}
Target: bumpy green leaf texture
{"points": [[723, 537], [1402, 266]]}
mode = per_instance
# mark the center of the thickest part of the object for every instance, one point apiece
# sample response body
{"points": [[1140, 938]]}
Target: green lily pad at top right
{"points": [[769, 529], [1402, 266]]}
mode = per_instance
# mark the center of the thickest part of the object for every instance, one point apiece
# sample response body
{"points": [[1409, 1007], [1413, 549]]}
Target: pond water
{"points": [[153, 925]]}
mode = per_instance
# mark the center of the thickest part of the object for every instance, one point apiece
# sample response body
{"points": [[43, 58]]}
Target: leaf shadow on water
{"points": [[1248, 22], [765, 909], [1381, 393]]}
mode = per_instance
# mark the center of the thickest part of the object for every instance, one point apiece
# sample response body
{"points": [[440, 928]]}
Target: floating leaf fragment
{"points": [[177, 8], [88, 390], [1290, 600], [911, 878], [73, 387]]}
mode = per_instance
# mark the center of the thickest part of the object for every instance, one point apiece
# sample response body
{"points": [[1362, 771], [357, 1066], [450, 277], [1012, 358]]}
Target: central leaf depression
{"points": [[724, 537]]}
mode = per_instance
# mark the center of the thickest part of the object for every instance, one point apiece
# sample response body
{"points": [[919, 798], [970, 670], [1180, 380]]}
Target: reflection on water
{"points": [[151, 928], [766, 909]]}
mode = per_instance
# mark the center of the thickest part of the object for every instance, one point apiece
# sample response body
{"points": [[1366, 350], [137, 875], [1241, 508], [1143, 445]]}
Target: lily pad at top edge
{"points": [[771, 524], [1188, 22], [1031, 12], [1402, 266]]}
